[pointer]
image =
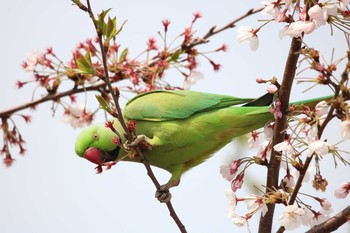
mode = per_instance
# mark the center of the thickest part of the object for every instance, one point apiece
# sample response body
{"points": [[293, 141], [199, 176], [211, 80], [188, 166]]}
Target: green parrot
{"points": [[182, 128]]}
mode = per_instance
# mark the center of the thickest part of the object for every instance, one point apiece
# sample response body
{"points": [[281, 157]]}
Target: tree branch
{"points": [[115, 95], [213, 31], [50, 97], [265, 224], [333, 223]]}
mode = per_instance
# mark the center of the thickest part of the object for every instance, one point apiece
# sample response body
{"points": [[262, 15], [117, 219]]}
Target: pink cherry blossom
{"points": [[296, 29], [228, 172], [253, 141], [342, 191], [325, 204], [272, 89], [77, 116], [31, 61], [318, 15], [289, 181], [237, 182], [272, 9]]}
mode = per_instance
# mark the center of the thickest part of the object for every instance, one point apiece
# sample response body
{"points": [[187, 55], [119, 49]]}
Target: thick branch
{"points": [[333, 223], [265, 224]]}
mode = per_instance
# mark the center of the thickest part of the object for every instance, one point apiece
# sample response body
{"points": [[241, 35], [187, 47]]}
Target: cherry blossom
{"points": [[232, 202], [228, 172], [309, 172], [255, 202], [237, 182], [253, 141], [268, 131], [192, 79], [342, 191], [289, 181], [343, 3], [325, 204], [272, 9], [291, 217], [322, 109], [266, 150], [285, 147], [272, 89], [31, 61], [318, 15], [319, 217], [77, 116], [345, 129], [319, 147], [239, 221], [296, 29], [248, 34]]}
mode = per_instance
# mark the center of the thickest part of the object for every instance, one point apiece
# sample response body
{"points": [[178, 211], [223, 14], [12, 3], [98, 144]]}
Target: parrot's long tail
{"points": [[311, 103], [267, 99]]}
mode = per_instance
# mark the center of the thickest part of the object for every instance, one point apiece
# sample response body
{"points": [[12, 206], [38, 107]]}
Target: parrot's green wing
{"points": [[171, 105]]}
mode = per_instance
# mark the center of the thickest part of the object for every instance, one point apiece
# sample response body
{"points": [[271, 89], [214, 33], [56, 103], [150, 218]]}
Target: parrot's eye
{"points": [[95, 136]]}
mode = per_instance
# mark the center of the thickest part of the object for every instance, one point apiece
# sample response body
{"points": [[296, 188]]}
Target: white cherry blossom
{"points": [[248, 35]]}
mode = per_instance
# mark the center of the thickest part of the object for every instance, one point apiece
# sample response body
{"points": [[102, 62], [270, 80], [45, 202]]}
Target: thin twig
{"points": [[115, 95], [213, 31], [50, 97]]}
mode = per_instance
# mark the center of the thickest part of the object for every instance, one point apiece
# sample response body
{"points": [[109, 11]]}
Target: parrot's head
{"points": [[98, 144]]}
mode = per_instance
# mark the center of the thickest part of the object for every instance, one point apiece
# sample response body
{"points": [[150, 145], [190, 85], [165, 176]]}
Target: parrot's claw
{"points": [[163, 195], [141, 140]]}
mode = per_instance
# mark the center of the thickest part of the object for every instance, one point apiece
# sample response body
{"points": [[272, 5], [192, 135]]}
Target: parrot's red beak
{"points": [[94, 155]]}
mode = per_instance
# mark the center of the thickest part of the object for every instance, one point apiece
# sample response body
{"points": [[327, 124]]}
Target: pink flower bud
{"points": [[272, 89]]}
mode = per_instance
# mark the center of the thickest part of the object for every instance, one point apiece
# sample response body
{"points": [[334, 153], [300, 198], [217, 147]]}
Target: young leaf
{"points": [[101, 20], [176, 55], [111, 28], [123, 55], [85, 64], [103, 103]]}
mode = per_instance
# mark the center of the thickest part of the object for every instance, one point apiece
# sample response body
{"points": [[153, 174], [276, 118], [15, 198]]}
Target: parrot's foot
{"points": [[142, 140], [163, 195]]}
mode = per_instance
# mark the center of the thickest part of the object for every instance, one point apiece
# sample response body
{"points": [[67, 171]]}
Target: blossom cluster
{"points": [[298, 18], [302, 140], [55, 79]]}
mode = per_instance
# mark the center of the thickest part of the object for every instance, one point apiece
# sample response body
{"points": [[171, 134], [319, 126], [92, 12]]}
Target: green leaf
{"points": [[123, 55], [103, 103], [101, 19], [176, 55], [111, 28], [85, 64]]}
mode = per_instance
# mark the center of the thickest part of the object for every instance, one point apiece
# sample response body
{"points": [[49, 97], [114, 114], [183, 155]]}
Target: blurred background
{"points": [[50, 189]]}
